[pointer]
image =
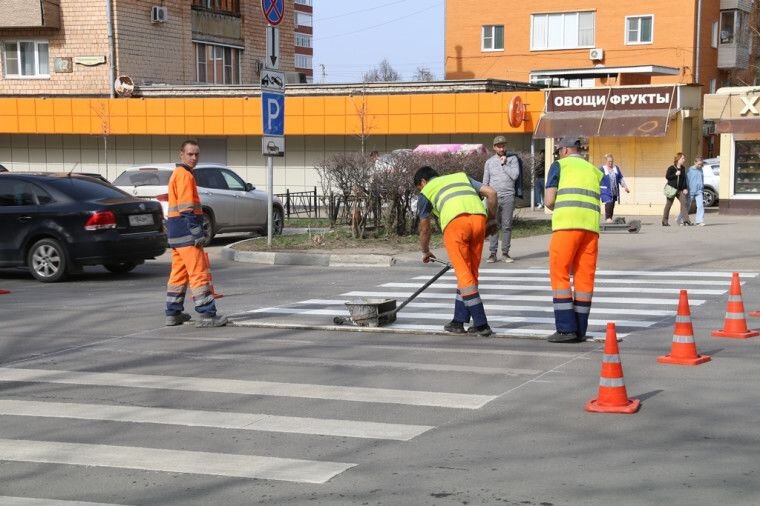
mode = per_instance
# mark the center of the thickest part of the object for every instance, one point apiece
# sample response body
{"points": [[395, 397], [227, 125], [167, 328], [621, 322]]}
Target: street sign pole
{"points": [[272, 101]]}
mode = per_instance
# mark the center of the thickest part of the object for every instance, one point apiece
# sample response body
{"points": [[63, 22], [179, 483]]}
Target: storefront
{"points": [[643, 127], [736, 112]]}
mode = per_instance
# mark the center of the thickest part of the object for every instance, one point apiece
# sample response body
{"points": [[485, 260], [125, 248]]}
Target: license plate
{"points": [[140, 220]]}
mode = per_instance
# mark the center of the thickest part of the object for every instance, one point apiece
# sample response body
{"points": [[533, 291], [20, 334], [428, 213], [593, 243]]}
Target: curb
{"points": [[311, 259]]}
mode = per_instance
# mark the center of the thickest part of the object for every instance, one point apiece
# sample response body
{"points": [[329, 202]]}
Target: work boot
{"points": [[212, 321], [565, 337], [177, 319], [491, 259], [480, 330], [454, 327]]}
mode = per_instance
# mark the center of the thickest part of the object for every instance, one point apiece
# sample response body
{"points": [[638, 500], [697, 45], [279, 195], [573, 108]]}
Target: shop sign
{"points": [[749, 106], [610, 99]]}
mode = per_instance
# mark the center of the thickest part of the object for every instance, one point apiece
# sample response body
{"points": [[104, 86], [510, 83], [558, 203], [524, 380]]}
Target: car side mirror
{"points": [[249, 187]]}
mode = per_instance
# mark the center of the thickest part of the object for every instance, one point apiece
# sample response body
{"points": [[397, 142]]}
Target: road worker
{"points": [[455, 199], [572, 192], [185, 230]]}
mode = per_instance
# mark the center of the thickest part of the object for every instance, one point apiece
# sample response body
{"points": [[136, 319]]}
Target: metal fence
{"points": [[300, 204]]}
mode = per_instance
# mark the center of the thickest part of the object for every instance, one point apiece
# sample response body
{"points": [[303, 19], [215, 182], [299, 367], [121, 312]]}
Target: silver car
{"points": [[229, 203]]}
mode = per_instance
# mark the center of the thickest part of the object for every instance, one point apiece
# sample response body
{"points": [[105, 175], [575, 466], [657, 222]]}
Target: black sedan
{"points": [[56, 223]]}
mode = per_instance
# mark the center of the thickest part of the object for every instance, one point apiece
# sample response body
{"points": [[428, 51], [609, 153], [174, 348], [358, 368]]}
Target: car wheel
{"points": [[278, 221], [208, 228], [710, 198], [120, 268], [47, 261]]}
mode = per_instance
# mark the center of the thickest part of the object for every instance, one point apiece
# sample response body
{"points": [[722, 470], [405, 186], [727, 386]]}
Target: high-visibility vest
{"points": [[185, 216], [577, 203], [452, 195]]}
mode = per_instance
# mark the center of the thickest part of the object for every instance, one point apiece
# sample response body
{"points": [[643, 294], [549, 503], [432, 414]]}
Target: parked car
{"points": [[229, 203], [56, 223], [711, 170]]}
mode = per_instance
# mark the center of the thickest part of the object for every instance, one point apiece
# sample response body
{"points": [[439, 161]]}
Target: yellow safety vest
{"points": [[577, 203], [452, 195]]}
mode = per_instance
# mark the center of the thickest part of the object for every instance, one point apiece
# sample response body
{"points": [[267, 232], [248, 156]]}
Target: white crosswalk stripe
{"points": [[33, 501], [518, 302]]}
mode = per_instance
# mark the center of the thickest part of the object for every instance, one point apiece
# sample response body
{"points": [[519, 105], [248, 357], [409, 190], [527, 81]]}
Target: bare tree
{"points": [[423, 74], [384, 72]]}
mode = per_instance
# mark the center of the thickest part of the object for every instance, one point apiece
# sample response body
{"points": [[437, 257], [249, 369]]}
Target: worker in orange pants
{"points": [[455, 200], [573, 192], [185, 233]]}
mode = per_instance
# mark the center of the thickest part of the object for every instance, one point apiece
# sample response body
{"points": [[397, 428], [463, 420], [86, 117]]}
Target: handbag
{"points": [[669, 191]]}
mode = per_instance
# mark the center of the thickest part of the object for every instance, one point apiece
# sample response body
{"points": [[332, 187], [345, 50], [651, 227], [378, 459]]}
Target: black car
{"points": [[56, 223]]}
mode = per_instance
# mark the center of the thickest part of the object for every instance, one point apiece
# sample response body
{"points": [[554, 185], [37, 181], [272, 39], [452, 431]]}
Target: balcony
{"points": [[734, 34], [27, 14]]}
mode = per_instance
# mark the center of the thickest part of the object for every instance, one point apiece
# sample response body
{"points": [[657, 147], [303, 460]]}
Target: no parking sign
{"points": [[273, 11]]}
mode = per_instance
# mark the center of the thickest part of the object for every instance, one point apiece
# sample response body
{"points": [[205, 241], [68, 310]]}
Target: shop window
{"points": [[26, 59], [217, 64], [566, 30], [492, 38], [747, 171], [639, 29]]}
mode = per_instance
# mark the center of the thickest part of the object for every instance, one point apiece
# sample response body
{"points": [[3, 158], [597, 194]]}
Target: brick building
{"points": [[79, 47]]}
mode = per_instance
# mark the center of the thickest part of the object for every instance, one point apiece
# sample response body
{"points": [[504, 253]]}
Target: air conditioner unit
{"points": [[159, 14], [596, 54]]}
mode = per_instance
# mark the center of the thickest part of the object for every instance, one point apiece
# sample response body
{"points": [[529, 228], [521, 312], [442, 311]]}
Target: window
{"points": [[303, 61], [303, 2], [638, 29], [734, 28], [492, 38], [26, 58], [233, 182], [217, 64], [303, 19], [303, 40], [223, 6], [566, 30]]}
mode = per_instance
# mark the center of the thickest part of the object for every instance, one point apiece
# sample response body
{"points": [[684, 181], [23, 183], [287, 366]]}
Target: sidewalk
{"points": [[728, 242]]}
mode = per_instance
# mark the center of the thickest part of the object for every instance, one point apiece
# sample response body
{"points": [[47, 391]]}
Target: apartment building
{"points": [[577, 43], [82, 47], [304, 49]]}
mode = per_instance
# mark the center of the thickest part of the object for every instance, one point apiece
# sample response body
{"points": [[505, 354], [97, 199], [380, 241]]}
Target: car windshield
{"points": [[144, 177], [86, 189]]}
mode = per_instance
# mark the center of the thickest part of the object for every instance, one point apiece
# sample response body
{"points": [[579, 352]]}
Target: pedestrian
{"points": [[503, 173], [572, 192], [612, 180], [539, 174], [456, 200], [695, 183], [185, 230], [676, 177]]}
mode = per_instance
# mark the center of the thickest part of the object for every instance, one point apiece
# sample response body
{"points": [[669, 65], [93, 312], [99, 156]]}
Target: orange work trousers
{"points": [[573, 251], [463, 238], [189, 267]]}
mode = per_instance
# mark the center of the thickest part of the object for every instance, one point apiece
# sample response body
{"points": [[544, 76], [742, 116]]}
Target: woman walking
{"points": [[612, 180], [676, 176]]}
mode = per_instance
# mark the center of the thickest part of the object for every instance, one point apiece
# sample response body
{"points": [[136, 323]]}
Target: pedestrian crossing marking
{"points": [[171, 461], [214, 419], [244, 387], [546, 288], [33, 501], [681, 283]]}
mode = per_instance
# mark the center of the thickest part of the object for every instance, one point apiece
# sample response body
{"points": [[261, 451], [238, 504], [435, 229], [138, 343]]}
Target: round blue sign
{"points": [[273, 11]]}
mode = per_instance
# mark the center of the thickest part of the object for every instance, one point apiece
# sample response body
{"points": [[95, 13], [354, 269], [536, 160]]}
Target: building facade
{"points": [[602, 43], [304, 31], [82, 47]]}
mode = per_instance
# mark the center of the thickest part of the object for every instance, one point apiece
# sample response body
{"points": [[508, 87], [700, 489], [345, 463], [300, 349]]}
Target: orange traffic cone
{"points": [[755, 314], [735, 324], [211, 279], [683, 350], [613, 397]]}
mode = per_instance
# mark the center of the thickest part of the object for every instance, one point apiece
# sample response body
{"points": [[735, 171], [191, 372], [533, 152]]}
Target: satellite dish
{"points": [[123, 86]]}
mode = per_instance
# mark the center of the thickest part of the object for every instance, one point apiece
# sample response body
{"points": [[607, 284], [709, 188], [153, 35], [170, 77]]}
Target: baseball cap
{"points": [[499, 139], [569, 142]]}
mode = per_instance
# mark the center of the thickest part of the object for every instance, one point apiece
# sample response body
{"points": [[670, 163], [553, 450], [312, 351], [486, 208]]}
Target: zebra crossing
{"points": [[518, 302], [411, 399]]}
